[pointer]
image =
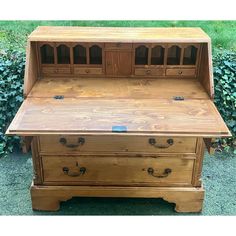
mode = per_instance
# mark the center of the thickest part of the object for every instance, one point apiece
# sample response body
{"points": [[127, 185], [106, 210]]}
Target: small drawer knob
{"points": [[180, 72], [148, 72]]}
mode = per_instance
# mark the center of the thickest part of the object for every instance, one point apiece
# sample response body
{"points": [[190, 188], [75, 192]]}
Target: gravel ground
{"points": [[219, 178]]}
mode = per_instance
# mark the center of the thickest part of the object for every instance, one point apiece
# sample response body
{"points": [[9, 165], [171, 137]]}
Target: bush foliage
{"points": [[225, 93], [12, 64]]}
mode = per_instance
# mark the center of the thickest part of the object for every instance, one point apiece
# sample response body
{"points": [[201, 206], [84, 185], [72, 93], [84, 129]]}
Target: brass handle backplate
{"points": [[80, 172], [80, 142], [153, 142], [165, 173]]}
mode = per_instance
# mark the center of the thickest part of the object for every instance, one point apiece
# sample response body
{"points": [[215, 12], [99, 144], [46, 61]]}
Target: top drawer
{"points": [[115, 144]]}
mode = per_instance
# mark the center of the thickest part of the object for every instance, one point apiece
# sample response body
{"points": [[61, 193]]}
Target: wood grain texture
{"points": [[209, 143], [197, 170], [37, 162], [149, 72], [139, 145], [158, 116], [181, 72], [118, 63], [47, 198], [206, 70], [25, 143], [31, 67], [110, 170], [118, 34], [118, 88], [118, 84]]}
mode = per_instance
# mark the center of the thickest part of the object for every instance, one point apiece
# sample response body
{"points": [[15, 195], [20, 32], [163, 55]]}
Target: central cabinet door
{"points": [[118, 63]]}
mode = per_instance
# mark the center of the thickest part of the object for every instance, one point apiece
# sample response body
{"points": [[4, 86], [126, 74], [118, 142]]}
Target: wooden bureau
{"points": [[118, 112]]}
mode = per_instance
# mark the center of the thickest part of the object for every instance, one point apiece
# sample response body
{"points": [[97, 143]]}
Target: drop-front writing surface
{"points": [[118, 112]]}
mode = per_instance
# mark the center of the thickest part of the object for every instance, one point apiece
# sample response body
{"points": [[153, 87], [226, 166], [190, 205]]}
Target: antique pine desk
{"points": [[118, 112]]}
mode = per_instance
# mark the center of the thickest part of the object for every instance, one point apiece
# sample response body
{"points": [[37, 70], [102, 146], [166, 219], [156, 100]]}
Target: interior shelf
{"points": [[141, 55], [63, 54], [47, 54], [95, 55], [190, 55], [174, 54], [157, 56], [79, 54]]}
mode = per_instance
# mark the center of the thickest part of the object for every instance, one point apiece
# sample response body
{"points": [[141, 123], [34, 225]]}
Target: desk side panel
{"points": [[31, 67]]}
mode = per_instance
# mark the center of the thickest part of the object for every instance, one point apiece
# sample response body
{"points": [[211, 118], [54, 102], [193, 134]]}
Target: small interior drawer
{"points": [[110, 170], [72, 144], [63, 70], [88, 71], [118, 46], [181, 72], [148, 72], [56, 70], [49, 69]]}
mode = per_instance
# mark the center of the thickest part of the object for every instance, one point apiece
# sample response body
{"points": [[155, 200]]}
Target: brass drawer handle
{"points": [[63, 141], [67, 171], [153, 142], [180, 72], [87, 71], [165, 173]]}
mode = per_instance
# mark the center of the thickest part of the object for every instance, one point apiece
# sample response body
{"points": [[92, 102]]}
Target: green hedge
{"points": [[12, 64], [225, 93]]}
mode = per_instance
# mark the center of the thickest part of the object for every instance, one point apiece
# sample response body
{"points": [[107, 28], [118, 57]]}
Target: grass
{"points": [[222, 33]]}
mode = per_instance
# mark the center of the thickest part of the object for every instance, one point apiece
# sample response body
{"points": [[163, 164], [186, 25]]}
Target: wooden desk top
{"points": [[118, 34], [143, 106], [141, 116], [114, 88]]}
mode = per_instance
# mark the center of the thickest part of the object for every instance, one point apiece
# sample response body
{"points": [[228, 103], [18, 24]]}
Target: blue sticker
{"points": [[119, 128]]}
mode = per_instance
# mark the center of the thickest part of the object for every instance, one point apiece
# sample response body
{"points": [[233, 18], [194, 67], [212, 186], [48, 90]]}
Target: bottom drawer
{"points": [[161, 171]]}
